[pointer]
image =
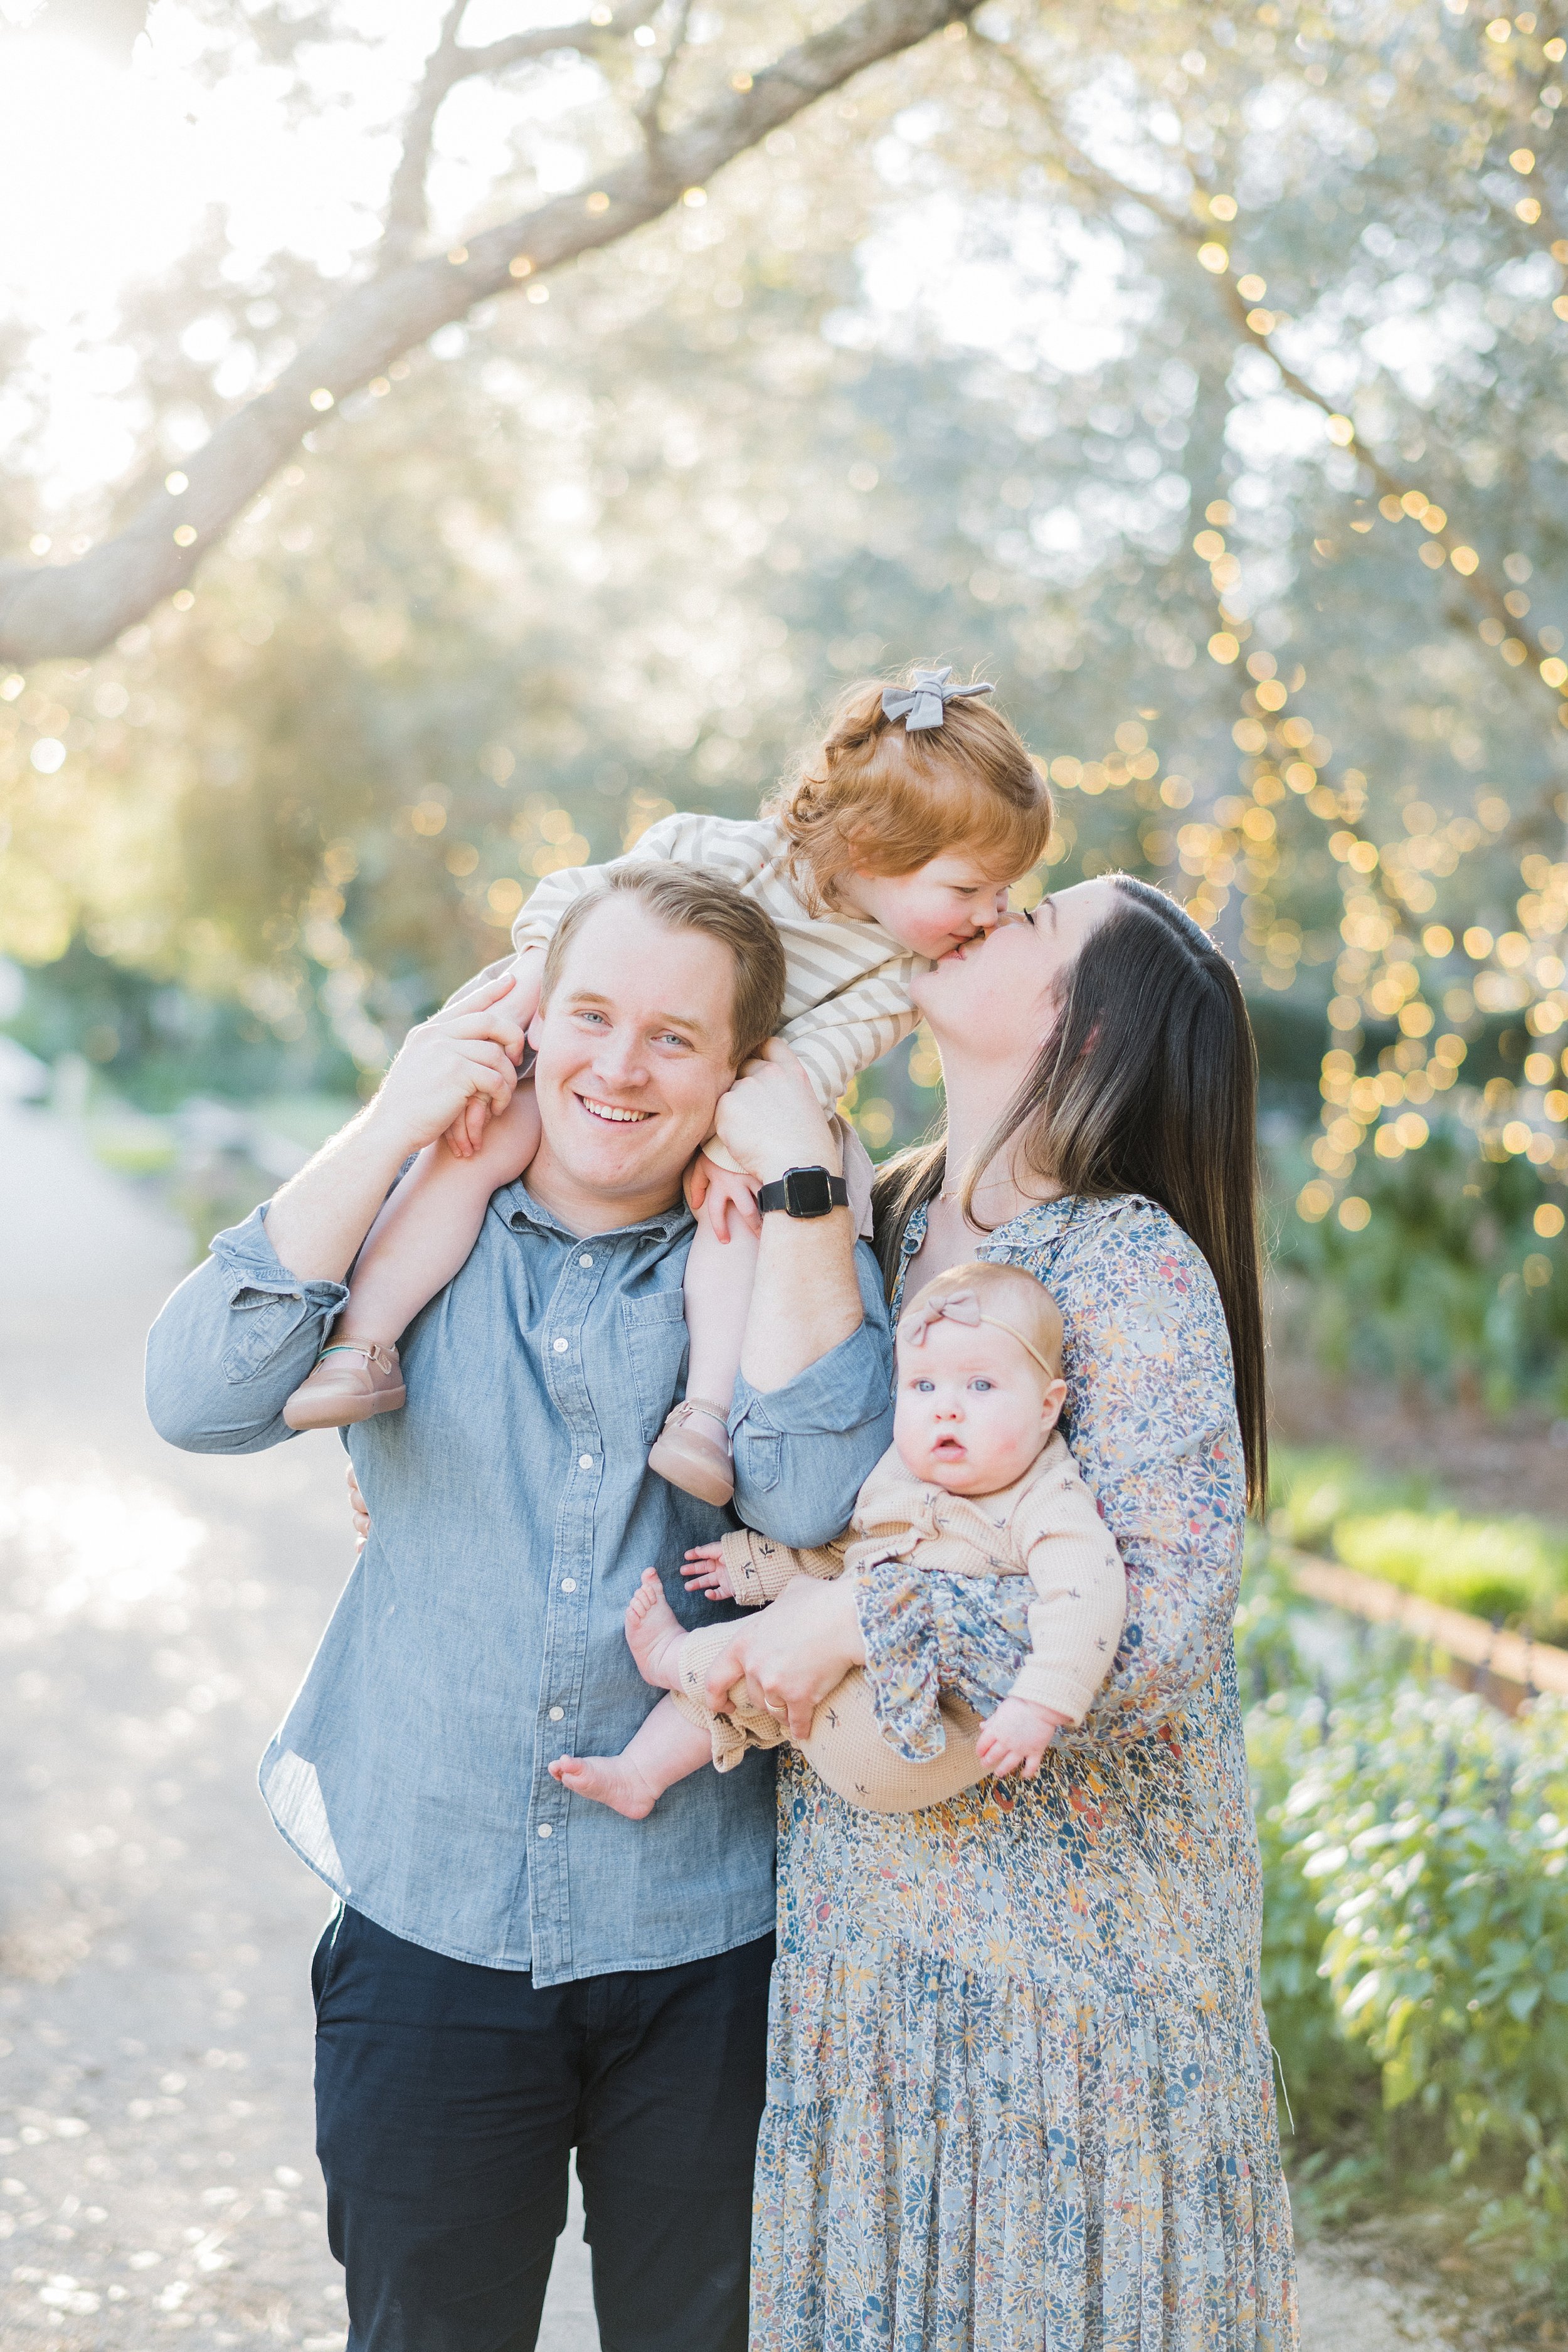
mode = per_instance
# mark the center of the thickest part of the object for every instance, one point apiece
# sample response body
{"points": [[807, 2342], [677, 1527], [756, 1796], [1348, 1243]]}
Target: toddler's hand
{"points": [[705, 1572], [724, 1192], [1017, 1737], [467, 1132]]}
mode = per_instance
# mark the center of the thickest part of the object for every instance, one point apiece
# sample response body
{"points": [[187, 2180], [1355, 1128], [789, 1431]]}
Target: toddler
{"points": [[895, 843], [985, 1583]]}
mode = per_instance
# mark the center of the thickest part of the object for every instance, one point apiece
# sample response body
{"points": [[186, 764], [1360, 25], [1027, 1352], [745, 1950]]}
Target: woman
{"points": [[1020, 2083]]}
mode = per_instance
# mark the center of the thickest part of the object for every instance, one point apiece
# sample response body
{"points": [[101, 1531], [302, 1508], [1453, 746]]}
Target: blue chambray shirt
{"points": [[480, 1633]]}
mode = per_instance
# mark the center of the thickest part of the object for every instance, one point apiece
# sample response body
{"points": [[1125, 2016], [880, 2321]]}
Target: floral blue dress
{"points": [[1020, 2087]]}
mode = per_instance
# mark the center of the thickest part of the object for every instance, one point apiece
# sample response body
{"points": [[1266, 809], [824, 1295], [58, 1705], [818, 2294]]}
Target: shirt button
{"points": [[560, 1346], [568, 1585], [556, 1713], [584, 1259], [545, 1830], [585, 1462]]}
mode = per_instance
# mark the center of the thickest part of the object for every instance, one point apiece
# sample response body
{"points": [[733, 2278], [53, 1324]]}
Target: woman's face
{"points": [[996, 998]]}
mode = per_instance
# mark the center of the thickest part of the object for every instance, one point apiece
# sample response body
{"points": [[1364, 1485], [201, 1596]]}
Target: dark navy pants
{"points": [[448, 2098]]}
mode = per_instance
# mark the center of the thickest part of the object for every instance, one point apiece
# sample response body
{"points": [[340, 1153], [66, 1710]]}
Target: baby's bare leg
{"points": [[424, 1234], [692, 1450], [666, 1749]]}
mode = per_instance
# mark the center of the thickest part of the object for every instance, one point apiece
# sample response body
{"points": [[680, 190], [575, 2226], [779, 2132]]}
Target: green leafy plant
{"points": [[1414, 1967]]}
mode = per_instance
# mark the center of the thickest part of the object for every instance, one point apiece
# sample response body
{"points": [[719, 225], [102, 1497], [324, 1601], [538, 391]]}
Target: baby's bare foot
{"points": [[610, 1780], [654, 1634]]}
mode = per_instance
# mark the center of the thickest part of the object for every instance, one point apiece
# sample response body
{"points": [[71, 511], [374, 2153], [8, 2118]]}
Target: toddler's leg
{"points": [[421, 1239], [692, 1450], [666, 1749]]}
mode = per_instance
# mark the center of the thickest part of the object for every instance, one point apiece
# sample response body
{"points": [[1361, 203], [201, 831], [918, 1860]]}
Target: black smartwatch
{"points": [[804, 1193]]}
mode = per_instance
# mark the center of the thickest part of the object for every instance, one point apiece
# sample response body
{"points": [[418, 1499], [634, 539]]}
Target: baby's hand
{"points": [[1017, 1737], [722, 1192], [705, 1572]]}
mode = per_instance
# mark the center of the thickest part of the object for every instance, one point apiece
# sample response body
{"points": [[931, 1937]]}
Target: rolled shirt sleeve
{"points": [[233, 1343]]}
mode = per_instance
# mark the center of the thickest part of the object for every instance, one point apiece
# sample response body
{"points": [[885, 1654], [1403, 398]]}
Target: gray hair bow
{"points": [[923, 704]]}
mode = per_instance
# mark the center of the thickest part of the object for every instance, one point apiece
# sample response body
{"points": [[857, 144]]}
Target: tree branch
{"points": [[1076, 166], [408, 214], [73, 609]]}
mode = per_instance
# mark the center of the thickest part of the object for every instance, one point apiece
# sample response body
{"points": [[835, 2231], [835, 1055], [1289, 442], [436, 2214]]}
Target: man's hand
{"points": [[359, 1509], [705, 1572], [1015, 1738], [770, 1120], [468, 1052], [792, 1654]]}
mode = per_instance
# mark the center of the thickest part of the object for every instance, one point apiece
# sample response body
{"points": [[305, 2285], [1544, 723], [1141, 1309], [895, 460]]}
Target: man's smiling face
{"points": [[634, 1052]]}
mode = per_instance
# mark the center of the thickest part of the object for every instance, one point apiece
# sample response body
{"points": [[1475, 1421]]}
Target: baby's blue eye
{"points": [[924, 1388], [982, 1384]]}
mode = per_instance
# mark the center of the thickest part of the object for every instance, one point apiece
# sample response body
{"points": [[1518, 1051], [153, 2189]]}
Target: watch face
{"points": [[807, 1192]]}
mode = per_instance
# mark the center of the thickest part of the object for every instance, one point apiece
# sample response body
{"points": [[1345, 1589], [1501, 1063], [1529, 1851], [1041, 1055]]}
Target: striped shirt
{"points": [[846, 995]]}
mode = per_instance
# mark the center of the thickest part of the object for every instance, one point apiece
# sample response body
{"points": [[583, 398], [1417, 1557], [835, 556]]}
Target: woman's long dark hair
{"points": [[1147, 1083]]}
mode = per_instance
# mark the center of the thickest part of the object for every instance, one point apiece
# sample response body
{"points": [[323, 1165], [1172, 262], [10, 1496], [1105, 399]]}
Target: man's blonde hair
{"points": [[869, 796], [685, 898]]}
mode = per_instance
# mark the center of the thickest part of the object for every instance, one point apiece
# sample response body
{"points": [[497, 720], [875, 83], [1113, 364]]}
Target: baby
{"points": [[896, 842], [985, 1583]]}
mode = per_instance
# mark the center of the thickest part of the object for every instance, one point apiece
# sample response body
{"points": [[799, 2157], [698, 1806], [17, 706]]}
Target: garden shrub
{"points": [[1415, 1845]]}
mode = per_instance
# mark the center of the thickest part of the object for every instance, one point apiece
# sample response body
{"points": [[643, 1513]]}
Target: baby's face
{"points": [[973, 1408]]}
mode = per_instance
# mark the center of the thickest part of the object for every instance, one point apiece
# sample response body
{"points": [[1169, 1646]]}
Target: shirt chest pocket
{"points": [[654, 1329]]}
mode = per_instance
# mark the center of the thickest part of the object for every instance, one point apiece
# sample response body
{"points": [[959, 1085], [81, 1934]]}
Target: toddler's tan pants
{"points": [[845, 1747]]}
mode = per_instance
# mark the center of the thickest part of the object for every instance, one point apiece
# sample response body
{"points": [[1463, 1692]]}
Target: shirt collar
{"points": [[522, 1209]]}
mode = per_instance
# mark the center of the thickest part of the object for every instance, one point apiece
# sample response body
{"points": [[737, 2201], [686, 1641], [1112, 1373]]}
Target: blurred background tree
{"points": [[1196, 373]]}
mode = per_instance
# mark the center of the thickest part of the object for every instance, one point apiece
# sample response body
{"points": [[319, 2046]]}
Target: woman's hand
{"points": [[793, 1652], [770, 1120], [359, 1509], [1015, 1738], [704, 1570]]}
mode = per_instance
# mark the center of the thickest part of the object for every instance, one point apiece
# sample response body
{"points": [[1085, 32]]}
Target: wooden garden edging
{"points": [[1522, 1668]]}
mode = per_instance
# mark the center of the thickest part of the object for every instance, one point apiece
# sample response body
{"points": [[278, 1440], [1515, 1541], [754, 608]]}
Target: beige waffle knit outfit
{"points": [[1046, 1527]]}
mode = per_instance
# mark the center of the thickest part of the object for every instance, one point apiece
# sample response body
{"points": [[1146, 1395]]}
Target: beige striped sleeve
{"points": [[686, 839], [840, 1038], [1080, 1590]]}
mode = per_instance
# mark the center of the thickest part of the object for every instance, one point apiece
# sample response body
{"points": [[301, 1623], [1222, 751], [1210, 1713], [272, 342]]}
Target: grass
{"points": [[1513, 1570]]}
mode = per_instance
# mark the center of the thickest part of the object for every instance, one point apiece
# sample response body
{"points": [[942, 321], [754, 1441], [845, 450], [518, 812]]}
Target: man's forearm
{"points": [[319, 1220], [806, 1299]]}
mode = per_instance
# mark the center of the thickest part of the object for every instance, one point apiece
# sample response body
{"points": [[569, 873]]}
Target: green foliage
{"points": [[1414, 1847], [1508, 1568], [1447, 1288], [1513, 1570]]}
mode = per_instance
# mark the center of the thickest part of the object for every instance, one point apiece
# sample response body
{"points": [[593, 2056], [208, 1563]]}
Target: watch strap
{"points": [[787, 1195]]}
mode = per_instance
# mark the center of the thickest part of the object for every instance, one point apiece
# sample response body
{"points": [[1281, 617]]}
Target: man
{"points": [[514, 1972]]}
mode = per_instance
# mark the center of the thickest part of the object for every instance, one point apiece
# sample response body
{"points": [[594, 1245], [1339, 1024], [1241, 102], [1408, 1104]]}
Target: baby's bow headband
{"points": [[964, 1306], [924, 703]]}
